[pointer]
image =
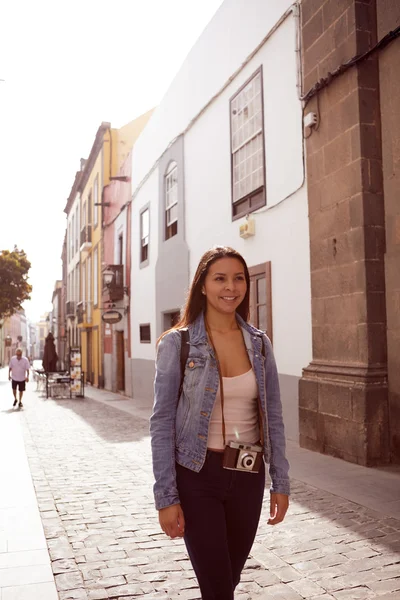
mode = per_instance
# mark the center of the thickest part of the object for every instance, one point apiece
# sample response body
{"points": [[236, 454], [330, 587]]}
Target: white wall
{"points": [[281, 233], [143, 293], [234, 32], [74, 261]]}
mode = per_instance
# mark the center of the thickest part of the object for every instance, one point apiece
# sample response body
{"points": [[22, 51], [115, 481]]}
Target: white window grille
{"points": [[247, 145]]}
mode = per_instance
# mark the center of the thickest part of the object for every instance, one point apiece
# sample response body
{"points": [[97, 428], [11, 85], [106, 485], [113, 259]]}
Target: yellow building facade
{"points": [[110, 148], [99, 167]]}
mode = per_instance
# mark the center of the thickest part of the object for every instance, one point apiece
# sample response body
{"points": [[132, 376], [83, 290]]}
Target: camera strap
{"points": [[221, 384]]}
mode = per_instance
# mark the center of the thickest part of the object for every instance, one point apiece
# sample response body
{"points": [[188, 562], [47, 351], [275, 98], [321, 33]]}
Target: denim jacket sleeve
{"points": [[162, 420], [279, 465]]}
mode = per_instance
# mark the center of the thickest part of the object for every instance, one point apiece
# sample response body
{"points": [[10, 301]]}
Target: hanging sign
{"points": [[112, 316], [75, 372]]}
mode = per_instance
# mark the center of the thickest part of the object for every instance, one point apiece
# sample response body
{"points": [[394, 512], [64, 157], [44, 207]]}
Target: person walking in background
{"points": [[18, 373], [212, 431], [50, 356]]}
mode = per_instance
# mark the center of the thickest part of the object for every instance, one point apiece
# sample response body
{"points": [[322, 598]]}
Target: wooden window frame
{"points": [[142, 341], [257, 198], [172, 229], [256, 272]]}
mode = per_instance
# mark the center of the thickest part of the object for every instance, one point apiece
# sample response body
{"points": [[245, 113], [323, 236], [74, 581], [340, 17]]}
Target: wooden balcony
{"points": [[86, 238]]}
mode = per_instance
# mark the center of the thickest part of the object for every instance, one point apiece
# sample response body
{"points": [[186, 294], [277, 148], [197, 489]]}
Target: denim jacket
{"points": [[179, 428]]}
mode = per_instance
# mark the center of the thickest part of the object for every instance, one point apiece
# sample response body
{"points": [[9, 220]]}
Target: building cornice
{"points": [[97, 145]]}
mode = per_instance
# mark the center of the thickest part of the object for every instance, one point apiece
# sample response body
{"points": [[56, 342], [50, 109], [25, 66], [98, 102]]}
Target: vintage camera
{"points": [[242, 457]]}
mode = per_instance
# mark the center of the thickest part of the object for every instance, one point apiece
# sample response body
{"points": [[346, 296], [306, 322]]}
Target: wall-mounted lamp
{"points": [[108, 276]]}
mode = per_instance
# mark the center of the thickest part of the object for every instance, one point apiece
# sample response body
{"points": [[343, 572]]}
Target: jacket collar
{"points": [[198, 331]]}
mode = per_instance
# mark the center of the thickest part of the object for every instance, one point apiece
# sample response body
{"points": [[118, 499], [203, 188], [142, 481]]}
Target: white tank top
{"points": [[240, 412]]}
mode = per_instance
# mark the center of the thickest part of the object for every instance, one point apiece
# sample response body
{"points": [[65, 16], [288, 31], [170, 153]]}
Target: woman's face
{"points": [[225, 285]]}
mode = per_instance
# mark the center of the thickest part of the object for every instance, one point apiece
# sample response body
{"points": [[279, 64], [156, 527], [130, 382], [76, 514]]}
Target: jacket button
{"points": [[191, 364]]}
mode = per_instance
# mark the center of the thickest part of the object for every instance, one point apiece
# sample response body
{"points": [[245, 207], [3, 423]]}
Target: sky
{"points": [[68, 66]]}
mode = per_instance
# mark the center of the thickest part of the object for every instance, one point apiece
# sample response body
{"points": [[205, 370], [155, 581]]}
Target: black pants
{"points": [[222, 509], [18, 384]]}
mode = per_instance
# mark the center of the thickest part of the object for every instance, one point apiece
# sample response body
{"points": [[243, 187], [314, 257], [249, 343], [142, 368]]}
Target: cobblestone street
{"points": [[91, 469]]}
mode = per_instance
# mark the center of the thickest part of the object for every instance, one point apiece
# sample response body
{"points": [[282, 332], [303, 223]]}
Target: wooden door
{"points": [[120, 361]]}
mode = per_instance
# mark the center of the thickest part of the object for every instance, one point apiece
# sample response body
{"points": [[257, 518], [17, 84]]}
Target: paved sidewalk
{"points": [[25, 566], [378, 489], [90, 464]]}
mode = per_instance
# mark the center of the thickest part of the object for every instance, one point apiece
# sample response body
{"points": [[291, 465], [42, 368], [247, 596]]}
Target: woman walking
{"points": [[214, 425]]}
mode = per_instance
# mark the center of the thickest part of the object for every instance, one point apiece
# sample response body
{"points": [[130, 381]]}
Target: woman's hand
{"points": [[279, 503], [172, 521]]}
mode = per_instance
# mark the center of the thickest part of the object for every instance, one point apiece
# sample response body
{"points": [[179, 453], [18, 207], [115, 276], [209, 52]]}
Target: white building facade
{"points": [[225, 150], [72, 211]]}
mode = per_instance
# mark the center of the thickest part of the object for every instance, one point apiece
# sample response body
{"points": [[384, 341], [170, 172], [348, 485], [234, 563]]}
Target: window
{"points": [[120, 257], [84, 215], [144, 235], [95, 200], [84, 283], [171, 201], [95, 276], [89, 290], [171, 319], [76, 230], [145, 337], [247, 148], [261, 297], [89, 209], [77, 290], [73, 236], [69, 241]]}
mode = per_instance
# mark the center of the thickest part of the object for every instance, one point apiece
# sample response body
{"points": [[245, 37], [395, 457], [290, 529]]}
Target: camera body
{"points": [[242, 457]]}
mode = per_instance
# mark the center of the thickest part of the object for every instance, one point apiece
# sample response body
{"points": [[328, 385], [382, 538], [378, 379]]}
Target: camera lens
{"points": [[248, 461]]}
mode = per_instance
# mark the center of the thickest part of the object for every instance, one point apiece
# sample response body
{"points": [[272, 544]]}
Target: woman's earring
{"points": [[203, 292]]}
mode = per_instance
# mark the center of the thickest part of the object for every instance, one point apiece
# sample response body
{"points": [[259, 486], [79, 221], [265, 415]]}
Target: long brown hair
{"points": [[196, 301]]}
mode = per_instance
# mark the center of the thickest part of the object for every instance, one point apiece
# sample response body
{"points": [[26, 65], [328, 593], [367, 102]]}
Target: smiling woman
{"points": [[221, 423], [225, 286]]}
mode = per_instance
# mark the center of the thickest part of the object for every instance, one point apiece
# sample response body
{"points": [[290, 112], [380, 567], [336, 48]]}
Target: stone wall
{"points": [[388, 18], [343, 392]]}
